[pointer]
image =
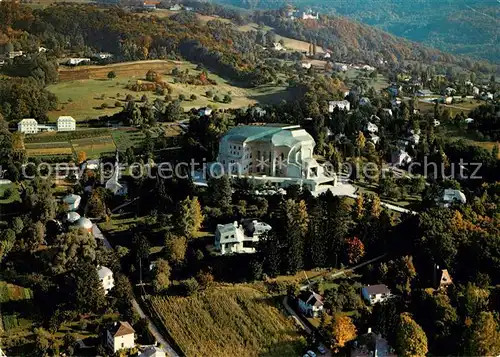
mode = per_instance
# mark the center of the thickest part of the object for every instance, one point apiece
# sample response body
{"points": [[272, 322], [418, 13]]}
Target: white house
{"points": [[376, 293], [306, 65], [372, 128], [235, 238], [77, 61], [278, 154], [14, 54], [28, 126], [278, 46], [176, 7], [451, 196], [42, 49], [341, 104], [106, 278], [327, 56], [66, 123], [447, 100], [341, 67], [309, 15], [72, 202], [153, 351], [374, 138], [310, 303], [475, 91], [450, 91], [206, 111], [388, 111], [400, 158], [120, 336]]}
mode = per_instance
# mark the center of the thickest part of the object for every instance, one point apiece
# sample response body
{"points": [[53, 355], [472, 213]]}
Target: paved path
{"points": [[303, 325], [154, 330]]}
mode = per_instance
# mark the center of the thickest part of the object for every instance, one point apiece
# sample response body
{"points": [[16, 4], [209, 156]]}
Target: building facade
{"points": [[66, 123], [310, 303], [376, 293], [120, 336], [106, 278], [28, 126], [234, 238], [341, 104], [280, 155]]}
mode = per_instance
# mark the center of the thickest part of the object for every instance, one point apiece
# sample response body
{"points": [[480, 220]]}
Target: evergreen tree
{"points": [[220, 191], [85, 289]]}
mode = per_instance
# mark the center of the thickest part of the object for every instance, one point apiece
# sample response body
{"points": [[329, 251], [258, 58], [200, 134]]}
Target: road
{"points": [[302, 324], [154, 330], [152, 327]]}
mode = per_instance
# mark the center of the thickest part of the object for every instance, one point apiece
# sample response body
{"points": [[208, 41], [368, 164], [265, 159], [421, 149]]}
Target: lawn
{"points": [[83, 91], [14, 197], [229, 321], [14, 307], [94, 147], [125, 139], [451, 132]]}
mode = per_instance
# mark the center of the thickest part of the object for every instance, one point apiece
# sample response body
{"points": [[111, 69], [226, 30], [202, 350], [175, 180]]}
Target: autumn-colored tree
{"points": [[342, 330], [484, 336], [161, 280], [411, 340], [82, 156], [355, 250], [360, 141], [188, 217], [175, 248], [359, 207]]}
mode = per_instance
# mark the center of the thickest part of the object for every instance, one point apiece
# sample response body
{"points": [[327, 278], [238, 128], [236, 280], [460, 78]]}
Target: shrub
{"points": [[227, 99], [193, 97], [190, 286], [209, 94], [216, 98], [129, 97], [118, 104], [104, 105], [111, 75], [168, 98], [182, 97], [144, 98]]}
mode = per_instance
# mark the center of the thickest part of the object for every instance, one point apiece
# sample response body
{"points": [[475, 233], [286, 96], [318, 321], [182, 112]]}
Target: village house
{"points": [[445, 279], [278, 154], [341, 104], [340, 67], [120, 336], [77, 61], [371, 345], [278, 46], [371, 128], [376, 293], [452, 196], [239, 238], [175, 7], [205, 112], [306, 65], [106, 278], [28, 126], [66, 123], [400, 158], [14, 54], [310, 303]]}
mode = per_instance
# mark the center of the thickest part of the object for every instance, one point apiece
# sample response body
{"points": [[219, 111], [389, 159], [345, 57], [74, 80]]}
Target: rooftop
{"points": [[377, 289], [121, 328]]}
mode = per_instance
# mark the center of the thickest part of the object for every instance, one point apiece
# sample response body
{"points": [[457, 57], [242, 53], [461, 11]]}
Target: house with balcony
{"points": [[235, 238]]}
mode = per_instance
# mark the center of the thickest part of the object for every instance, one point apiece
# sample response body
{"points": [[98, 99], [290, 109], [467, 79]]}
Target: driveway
{"points": [[303, 325], [154, 330]]}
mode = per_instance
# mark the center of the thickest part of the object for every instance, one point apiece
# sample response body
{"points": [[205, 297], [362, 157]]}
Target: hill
{"points": [[468, 27]]}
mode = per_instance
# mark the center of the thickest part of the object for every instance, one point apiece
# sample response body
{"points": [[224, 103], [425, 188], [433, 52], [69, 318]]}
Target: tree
{"points": [[111, 74], [484, 336], [7, 241], [175, 248], [182, 97], [152, 76], [174, 111], [227, 99], [161, 276], [140, 246], [82, 156], [96, 207], [355, 250], [17, 225], [35, 236], [411, 340], [216, 98], [209, 94], [188, 217], [342, 330], [85, 289], [193, 97], [72, 248], [205, 278], [220, 191]]}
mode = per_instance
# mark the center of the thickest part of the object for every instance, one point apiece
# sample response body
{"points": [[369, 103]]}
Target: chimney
{"points": [[369, 330]]}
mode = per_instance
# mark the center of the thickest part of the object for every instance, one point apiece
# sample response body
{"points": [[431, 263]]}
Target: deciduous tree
{"points": [[411, 340]]}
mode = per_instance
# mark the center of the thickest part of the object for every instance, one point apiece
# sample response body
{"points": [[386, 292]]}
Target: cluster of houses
{"points": [[31, 126], [294, 14]]}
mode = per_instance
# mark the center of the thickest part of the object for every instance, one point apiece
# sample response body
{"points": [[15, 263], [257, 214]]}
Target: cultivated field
{"points": [[12, 299], [82, 98], [229, 321], [94, 147]]}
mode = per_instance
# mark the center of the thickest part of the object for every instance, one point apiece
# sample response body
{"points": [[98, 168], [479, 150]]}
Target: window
{"points": [[123, 345], [232, 235]]}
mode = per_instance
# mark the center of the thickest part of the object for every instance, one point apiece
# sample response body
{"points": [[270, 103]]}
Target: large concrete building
{"points": [[277, 154], [31, 126], [66, 123]]}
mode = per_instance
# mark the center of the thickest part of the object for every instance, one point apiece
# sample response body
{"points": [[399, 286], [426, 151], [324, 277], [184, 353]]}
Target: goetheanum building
{"points": [[277, 154]]}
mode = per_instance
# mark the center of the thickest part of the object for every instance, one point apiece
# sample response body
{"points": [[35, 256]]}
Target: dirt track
{"points": [[125, 69]]}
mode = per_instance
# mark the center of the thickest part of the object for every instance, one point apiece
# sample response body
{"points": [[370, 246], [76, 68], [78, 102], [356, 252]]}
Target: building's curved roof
{"points": [[72, 217], [290, 138], [103, 272], [84, 222], [71, 198]]}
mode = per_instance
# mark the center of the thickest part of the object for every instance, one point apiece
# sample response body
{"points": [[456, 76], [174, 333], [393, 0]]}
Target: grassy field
{"points": [[99, 141], [229, 321], [83, 90], [13, 299], [14, 197]]}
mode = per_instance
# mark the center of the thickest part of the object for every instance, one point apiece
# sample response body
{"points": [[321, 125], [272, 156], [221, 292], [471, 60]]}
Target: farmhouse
{"points": [[28, 126], [445, 280], [376, 293], [106, 278], [306, 65], [278, 154], [310, 303], [66, 123], [77, 61], [119, 336], [341, 104], [235, 238]]}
